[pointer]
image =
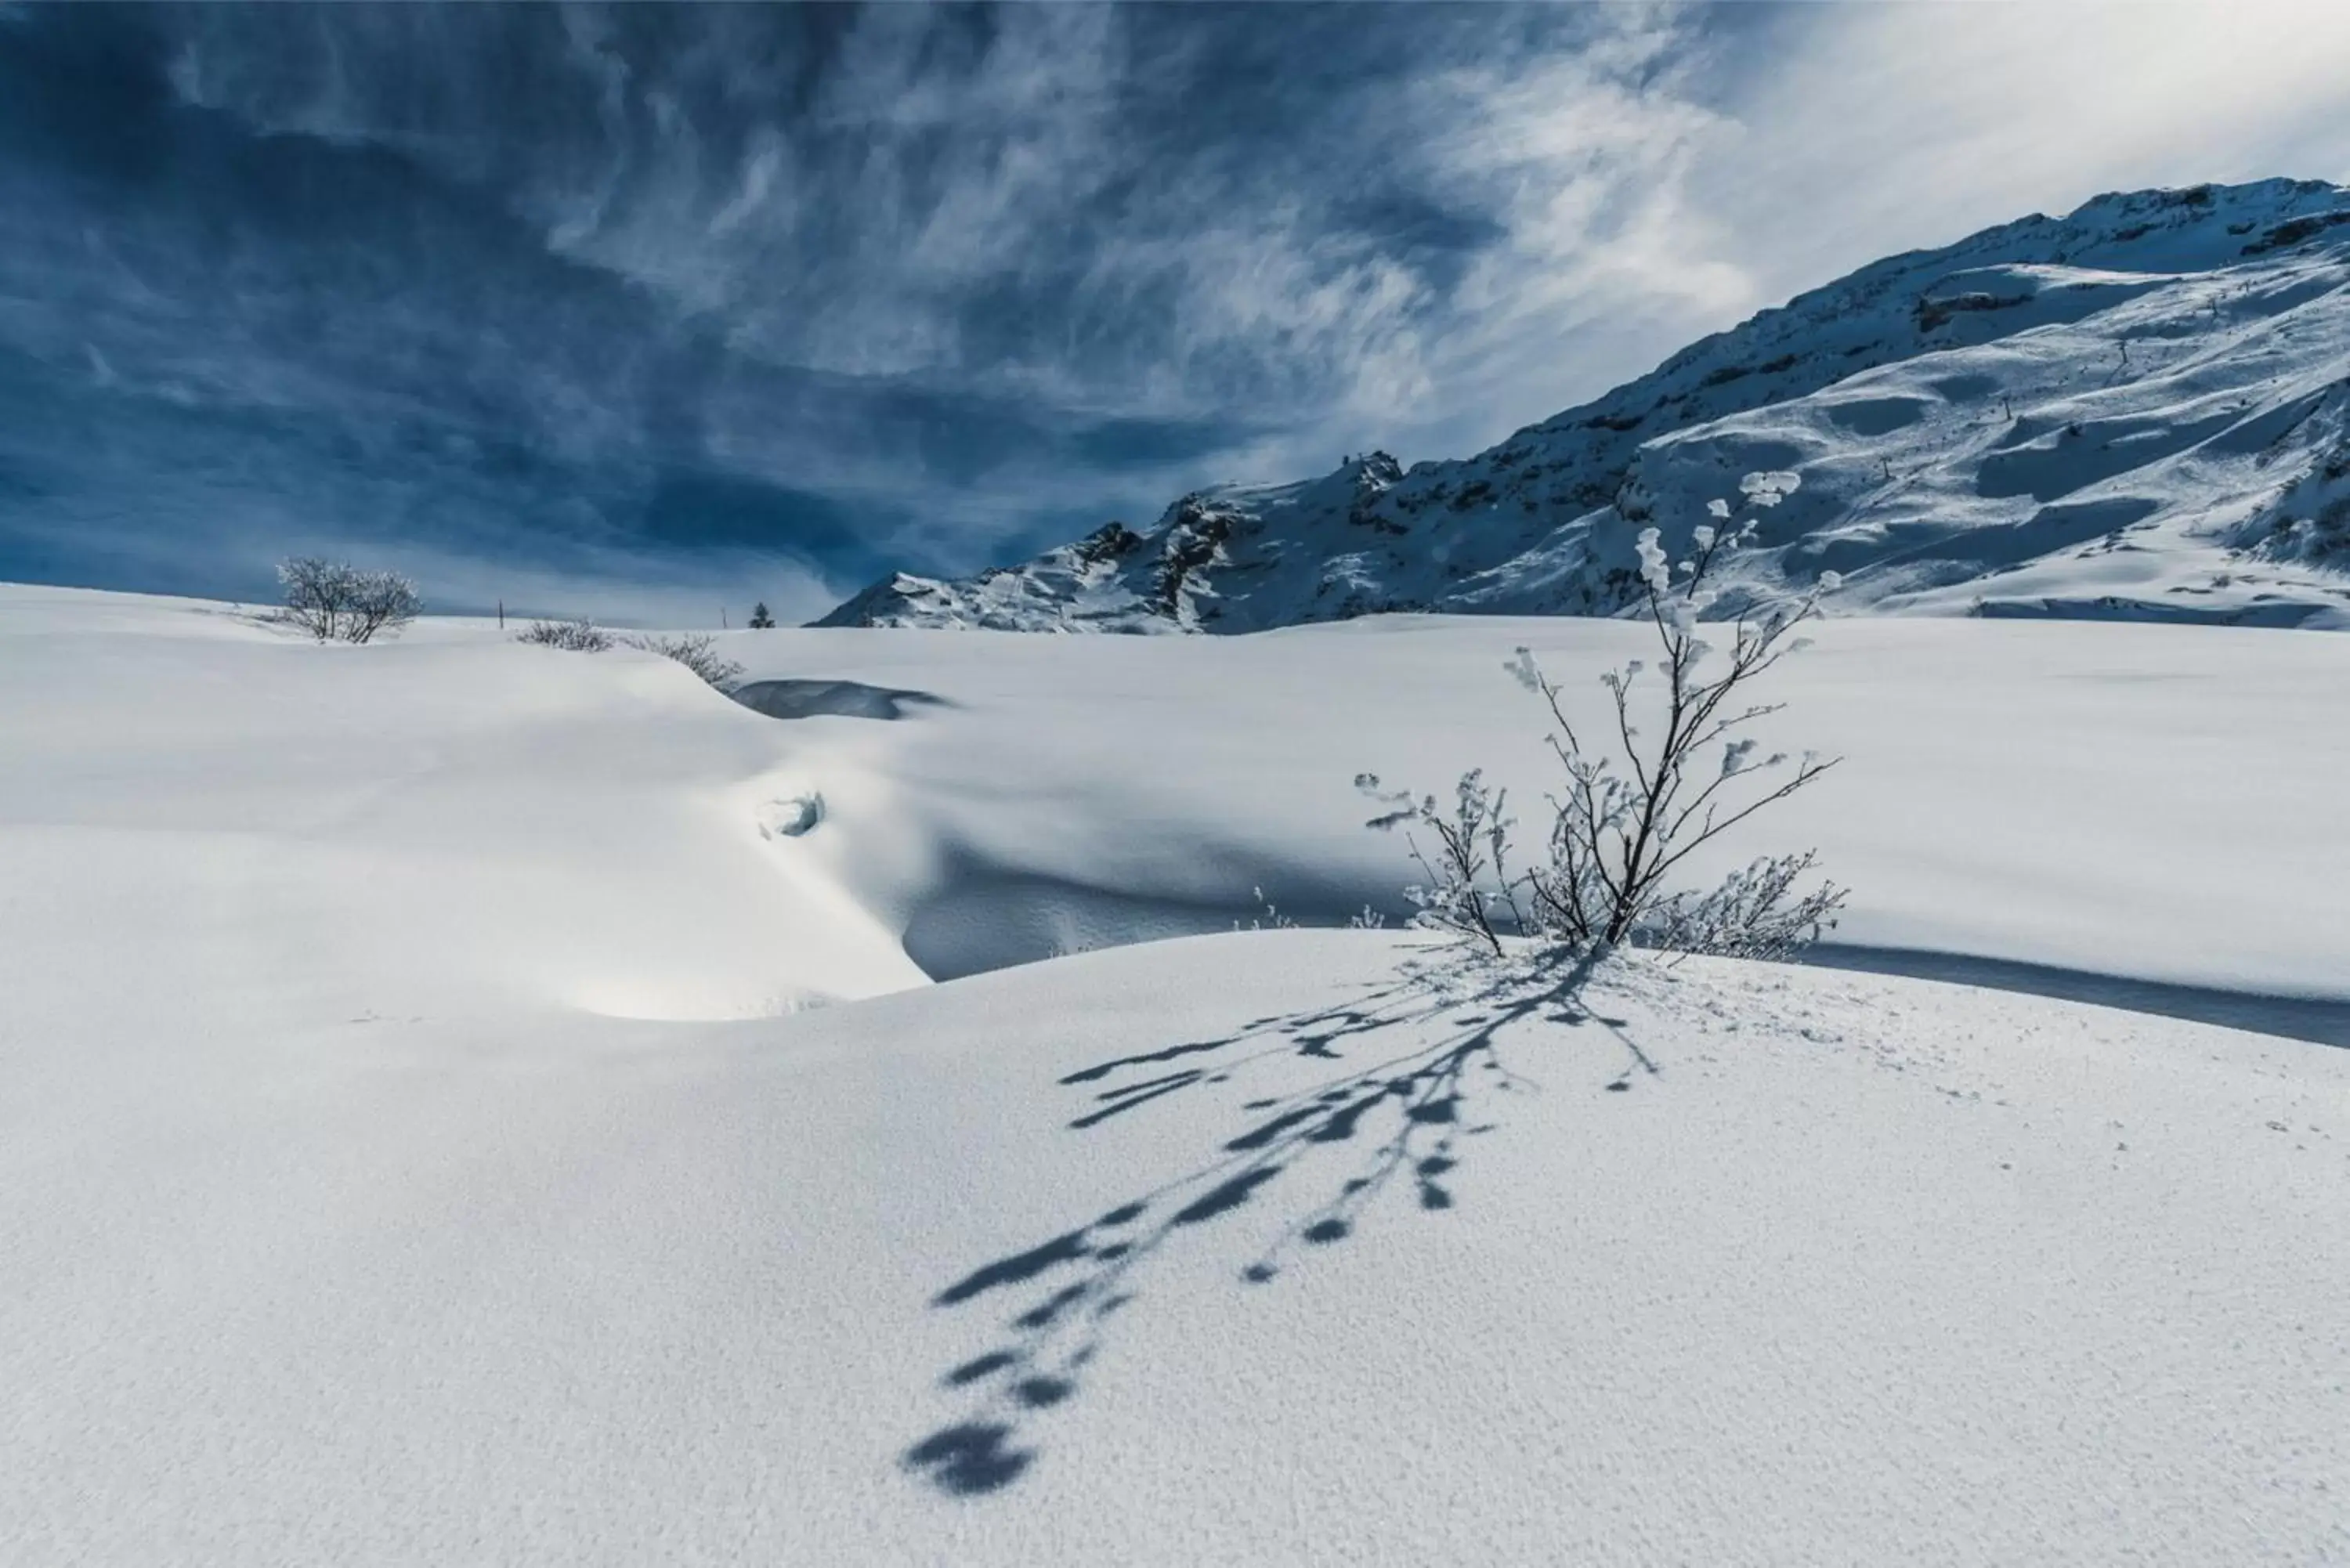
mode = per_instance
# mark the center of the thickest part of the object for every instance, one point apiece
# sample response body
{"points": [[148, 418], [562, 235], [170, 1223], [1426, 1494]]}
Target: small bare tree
{"points": [[1617, 832], [335, 602]]}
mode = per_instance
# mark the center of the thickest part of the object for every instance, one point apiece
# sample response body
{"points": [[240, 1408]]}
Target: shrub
{"points": [[335, 602], [696, 652], [582, 635], [1617, 832]]}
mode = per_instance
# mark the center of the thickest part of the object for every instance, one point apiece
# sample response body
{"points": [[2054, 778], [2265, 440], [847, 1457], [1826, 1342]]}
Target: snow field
{"points": [[419, 1141]]}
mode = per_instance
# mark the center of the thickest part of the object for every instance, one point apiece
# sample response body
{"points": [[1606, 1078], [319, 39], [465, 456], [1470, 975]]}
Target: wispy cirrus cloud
{"points": [[1861, 129]]}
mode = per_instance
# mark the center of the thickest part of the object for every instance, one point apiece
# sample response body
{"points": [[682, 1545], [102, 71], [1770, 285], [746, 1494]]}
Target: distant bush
{"points": [[334, 601], [759, 620], [581, 636], [696, 652]]}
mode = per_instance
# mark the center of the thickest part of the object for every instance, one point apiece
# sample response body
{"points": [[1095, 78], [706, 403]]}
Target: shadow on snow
{"points": [[1394, 1124]]}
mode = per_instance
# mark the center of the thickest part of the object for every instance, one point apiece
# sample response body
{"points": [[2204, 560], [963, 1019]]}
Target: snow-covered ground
{"points": [[2153, 802], [419, 1141]]}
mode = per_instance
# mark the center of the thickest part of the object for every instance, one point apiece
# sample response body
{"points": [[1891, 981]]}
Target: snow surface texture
{"points": [[454, 811], [2148, 802], [417, 1144], [2143, 801], [2138, 411], [1134, 1258]]}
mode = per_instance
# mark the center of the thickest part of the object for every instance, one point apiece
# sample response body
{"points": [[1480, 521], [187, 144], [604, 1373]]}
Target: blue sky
{"points": [[638, 311]]}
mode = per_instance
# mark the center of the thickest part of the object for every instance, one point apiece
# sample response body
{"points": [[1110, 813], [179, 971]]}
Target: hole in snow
{"points": [[791, 816]]}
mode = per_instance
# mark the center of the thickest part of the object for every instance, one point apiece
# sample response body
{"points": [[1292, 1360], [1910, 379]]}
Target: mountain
{"points": [[2140, 410]]}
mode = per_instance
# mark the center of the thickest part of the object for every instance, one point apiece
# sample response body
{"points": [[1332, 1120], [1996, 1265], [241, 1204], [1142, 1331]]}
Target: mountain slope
{"points": [[2141, 410]]}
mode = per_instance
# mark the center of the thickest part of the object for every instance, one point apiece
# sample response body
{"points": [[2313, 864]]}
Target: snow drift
{"points": [[418, 1142]]}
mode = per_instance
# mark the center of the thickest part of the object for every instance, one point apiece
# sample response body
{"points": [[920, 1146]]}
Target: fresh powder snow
{"points": [[462, 1100]]}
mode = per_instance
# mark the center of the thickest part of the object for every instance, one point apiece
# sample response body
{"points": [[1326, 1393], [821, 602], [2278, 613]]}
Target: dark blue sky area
{"points": [[640, 310]]}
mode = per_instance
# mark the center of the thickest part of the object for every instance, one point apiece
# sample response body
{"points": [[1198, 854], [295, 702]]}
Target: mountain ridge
{"points": [[2139, 409]]}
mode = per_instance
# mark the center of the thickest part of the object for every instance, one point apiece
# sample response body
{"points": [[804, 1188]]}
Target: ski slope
{"points": [[469, 1102]]}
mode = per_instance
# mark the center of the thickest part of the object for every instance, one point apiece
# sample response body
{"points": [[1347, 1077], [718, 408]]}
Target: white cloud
{"points": [[1793, 145], [1881, 127]]}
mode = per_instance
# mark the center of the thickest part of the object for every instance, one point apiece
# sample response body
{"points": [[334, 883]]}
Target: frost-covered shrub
{"points": [[1681, 776], [1755, 912], [334, 601], [1273, 920], [696, 652], [582, 635]]}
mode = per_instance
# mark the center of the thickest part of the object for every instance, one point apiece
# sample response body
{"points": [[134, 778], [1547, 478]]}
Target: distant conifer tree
{"points": [[759, 620]]}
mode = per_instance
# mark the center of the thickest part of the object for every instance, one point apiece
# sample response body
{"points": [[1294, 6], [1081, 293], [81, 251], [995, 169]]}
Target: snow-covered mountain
{"points": [[2138, 410]]}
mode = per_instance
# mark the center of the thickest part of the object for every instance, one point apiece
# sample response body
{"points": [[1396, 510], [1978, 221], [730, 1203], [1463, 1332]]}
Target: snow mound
{"points": [[422, 1140], [502, 825], [1295, 1260], [452, 815], [2132, 412], [2081, 798]]}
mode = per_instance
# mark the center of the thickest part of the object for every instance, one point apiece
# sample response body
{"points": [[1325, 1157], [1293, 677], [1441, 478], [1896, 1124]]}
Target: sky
{"points": [[648, 313]]}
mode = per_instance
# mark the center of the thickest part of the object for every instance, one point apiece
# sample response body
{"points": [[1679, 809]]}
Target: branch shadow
{"points": [[1399, 1122]]}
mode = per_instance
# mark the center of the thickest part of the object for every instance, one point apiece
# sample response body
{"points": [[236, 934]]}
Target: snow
{"points": [[2136, 411], [448, 1113], [2141, 800], [448, 812], [1865, 1272], [2132, 800]]}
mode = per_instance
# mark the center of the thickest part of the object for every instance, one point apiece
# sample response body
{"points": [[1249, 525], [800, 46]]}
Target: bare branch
{"points": [[1616, 838]]}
